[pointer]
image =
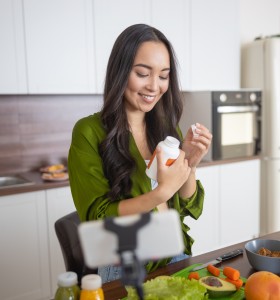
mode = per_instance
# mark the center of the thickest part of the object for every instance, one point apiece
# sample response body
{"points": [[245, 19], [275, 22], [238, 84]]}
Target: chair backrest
{"points": [[66, 229]]}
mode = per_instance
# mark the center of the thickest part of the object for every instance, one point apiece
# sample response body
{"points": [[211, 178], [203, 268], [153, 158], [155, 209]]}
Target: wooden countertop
{"points": [[39, 184], [115, 290]]}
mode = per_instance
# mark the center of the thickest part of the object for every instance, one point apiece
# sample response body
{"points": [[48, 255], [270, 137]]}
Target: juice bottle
{"points": [[91, 288], [68, 288]]}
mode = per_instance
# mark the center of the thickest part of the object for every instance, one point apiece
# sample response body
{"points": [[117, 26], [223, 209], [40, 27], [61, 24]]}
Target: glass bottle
{"points": [[68, 288], [91, 288]]}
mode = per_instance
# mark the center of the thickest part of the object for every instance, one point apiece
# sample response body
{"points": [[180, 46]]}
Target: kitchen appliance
{"points": [[233, 117], [261, 69]]}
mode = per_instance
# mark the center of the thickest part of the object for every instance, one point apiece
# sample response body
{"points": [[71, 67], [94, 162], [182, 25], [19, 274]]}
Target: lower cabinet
{"points": [[59, 204], [239, 202], [24, 251], [231, 211], [30, 255], [204, 230]]}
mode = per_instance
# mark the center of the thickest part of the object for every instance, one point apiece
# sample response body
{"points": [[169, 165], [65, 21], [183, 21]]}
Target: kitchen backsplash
{"points": [[36, 130]]}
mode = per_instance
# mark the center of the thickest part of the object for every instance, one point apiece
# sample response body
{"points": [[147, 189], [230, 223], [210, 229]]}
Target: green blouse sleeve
{"points": [[88, 183], [192, 206]]}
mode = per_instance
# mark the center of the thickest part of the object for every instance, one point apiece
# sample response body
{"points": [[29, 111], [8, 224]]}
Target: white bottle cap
{"points": [[91, 282], [67, 279], [172, 142]]}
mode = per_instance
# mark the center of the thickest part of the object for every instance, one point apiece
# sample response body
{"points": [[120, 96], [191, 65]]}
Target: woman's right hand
{"points": [[171, 178]]}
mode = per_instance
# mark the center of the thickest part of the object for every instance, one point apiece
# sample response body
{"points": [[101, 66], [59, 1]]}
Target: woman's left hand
{"points": [[196, 145]]}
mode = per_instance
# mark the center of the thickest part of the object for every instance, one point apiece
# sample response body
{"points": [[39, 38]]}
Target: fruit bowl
{"points": [[261, 262]]}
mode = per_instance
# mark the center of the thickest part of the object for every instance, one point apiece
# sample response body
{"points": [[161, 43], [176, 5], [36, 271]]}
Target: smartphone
{"points": [[161, 237]]}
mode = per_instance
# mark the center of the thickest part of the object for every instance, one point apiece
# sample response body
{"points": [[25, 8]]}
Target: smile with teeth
{"points": [[148, 98]]}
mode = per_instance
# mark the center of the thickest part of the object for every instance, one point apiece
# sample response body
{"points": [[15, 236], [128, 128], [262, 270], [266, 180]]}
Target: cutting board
{"points": [[238, 295]]}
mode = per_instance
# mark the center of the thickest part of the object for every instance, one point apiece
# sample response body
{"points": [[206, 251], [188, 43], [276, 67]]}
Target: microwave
{"points": [[233, 118]]}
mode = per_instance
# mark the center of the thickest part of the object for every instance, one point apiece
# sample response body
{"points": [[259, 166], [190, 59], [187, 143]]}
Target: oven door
{"points": [[236, 131]]}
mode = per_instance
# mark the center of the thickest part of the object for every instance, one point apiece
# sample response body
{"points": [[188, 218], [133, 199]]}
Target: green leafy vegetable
{"points": [[170, 288]]}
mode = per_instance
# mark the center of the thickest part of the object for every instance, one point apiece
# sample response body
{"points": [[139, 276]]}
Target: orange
{"points": [[262, 285]]}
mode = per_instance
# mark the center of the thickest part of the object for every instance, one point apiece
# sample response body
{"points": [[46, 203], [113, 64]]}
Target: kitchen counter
{"points": [[115, 290], [40, 184], [37, 184], [227, 161]]}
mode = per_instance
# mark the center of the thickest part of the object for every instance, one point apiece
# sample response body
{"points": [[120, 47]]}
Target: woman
{"points": [[110, 149]]}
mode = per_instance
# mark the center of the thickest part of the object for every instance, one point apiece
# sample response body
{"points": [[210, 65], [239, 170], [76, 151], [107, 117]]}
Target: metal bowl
{"points": [[261, 262]]}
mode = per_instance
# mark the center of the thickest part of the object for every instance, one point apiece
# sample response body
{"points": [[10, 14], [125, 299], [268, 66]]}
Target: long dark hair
{"points": [[118, 163]]}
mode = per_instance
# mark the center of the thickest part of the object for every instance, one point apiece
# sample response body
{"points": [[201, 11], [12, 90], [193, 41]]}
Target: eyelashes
{"points": [[146, 75], [141, 75]]}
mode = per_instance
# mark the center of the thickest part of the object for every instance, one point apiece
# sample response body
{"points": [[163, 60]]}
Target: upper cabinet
{"points": [[215, 46], [205, 37], [13, 78], [59, 46], [46, 47], [63, 46], [172, 20], [110, 18]]}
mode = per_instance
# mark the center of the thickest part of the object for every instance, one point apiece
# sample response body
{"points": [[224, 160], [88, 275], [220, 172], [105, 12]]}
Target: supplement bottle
{"points": [[91, 288], [171, 151], [68, 288]]}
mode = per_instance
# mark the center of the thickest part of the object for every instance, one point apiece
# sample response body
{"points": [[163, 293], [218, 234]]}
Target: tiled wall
{"points": [[36, 130]]}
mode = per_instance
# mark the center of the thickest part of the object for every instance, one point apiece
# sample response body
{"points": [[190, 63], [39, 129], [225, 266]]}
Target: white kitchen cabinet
{"points": [[24, 248], [215, 45], [174, 22], [63, 46], [239, 202], [204, 230], [155, 13], [59, 46], [59, 204], [12, 48], [110, 19], [108, 25], [205, 37], [231, 211]]}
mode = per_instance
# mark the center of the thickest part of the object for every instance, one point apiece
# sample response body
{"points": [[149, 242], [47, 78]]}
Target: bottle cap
{"points": [[91, 282], [67, 279], [172, 142]]}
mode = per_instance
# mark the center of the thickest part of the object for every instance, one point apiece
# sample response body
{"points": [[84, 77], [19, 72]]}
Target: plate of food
{"points": [[55, 176], [57, 168]]}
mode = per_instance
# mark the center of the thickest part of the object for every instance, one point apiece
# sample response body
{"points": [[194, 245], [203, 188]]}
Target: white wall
{"points": [[258, 18]]}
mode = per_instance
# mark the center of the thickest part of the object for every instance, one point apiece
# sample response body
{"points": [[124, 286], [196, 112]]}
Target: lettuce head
{"points": [[170, 288]]}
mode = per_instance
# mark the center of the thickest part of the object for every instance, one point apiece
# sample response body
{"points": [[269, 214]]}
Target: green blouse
{"points": [[89, 185]]}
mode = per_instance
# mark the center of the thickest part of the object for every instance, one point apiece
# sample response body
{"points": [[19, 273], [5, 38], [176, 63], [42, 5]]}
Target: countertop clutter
{"points": [[115, 290]]}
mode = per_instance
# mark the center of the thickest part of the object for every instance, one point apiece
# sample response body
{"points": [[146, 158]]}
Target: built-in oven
{"points": [[233, 117]]}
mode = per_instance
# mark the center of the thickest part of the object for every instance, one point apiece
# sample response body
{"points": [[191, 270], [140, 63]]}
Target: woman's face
{"points": [[149, 77]]}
